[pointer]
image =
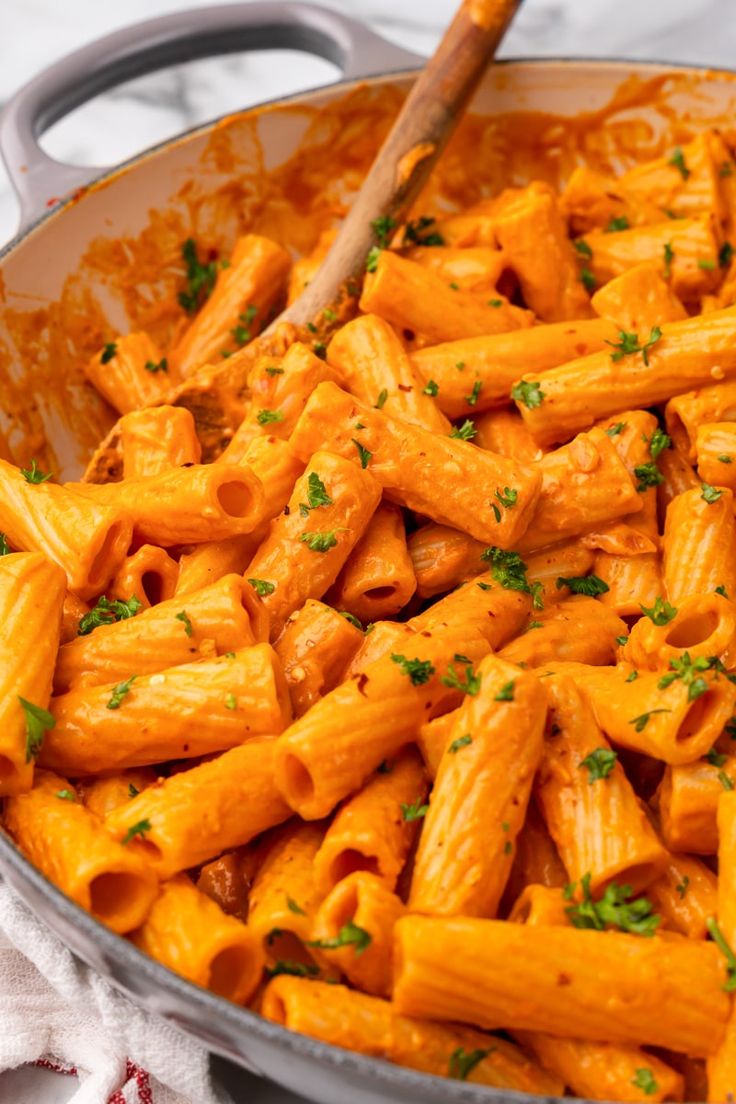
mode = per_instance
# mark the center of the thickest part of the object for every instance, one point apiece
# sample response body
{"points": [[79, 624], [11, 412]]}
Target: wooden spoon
{"points": [[216, 394]]}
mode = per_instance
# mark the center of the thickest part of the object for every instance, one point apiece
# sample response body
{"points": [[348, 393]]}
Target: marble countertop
{"points": [[150, 109]]}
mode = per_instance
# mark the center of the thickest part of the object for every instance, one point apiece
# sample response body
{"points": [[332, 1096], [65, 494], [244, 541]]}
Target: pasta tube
{"points": [[203, 564], [315, 648], [443, 557], [306, 546], [72, 849], [678, 476], [589, 805], [685, 895], [537, 861], [688, 803], [699, 544], [715, 445], [185, 505], [31, 598], [189, 933], [663, 722], [495, 974], [704, 625], [584, 484], [217, 619], [373, 366], [72, 613], [330, 751], [722, 1066], [685, 413], [88, 541], [332, 1013], [476, 269], [278, 395], [179, 713], [539, 906], [378, 578], [477, 373], [284, 898], [479, 799], [362, 900], [434, 736], [638, 299], [102, 795], [579, 629], [503, 431], [416, 300], [237, 789], [491, 611], [149, 575], [242, 299], [129, 372], [604, 1071], [375, 829], [444, 489], [689, 354], [158, 438]]}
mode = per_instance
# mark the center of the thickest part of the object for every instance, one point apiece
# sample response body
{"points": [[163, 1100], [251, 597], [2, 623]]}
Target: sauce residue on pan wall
{"points": [[230, 190]]}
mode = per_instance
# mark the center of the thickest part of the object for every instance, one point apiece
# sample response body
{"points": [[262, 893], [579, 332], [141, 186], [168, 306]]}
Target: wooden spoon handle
{"points": [[423, 127]]}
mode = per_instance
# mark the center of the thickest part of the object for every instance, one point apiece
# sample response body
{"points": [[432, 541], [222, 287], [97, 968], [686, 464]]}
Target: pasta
{"points": [[381, 673]]}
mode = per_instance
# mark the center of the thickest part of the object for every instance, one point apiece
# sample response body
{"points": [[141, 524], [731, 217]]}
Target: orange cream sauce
{"points": [[294, 203]]}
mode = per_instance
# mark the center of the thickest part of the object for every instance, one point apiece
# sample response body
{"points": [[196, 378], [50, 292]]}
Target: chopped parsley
{"points": [[509, 570], [620, 222], [380, 401], [66, 795], [723, 946], [661, 613], [320, 542], [724, 780], [472, 398], [724, 458], [107, 612], [317, 492], [265, 417], [415, 232], [614, 430], [119, 692], [507, 497], [371, 261], [138, 829], [34, 474], [363, 453], [706, 264], [725, 254], [292, 906], [641, 722], [231, 702], [614, 910], [431, 388], [133, 791], [587, 279], [648, 475], [382, 227], [658, 442], [599, 764], [716, 758], [463, 1062], [4, 546], [628, 344], [109, 350], [200, 278], [152, 367], [415, 811], [528, 393], [669, 256], [677, 160], [583, 584], [644, 1080], [38, 722], [469, 684], [681, 887], [466, 432], [293, 969], [710, 494], [690, 672], [262, 587], [461, 742], [273, 371], [351, 618], [419, 671], [583, 249], [183, 616], [349, 935], [506, 693]]}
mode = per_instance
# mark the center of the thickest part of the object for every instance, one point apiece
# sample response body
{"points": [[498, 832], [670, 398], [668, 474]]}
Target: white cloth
{"points": [[52, 1006]]}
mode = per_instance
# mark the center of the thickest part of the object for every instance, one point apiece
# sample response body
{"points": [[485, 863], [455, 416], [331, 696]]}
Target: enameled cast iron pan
{"points": [[65, 275]]}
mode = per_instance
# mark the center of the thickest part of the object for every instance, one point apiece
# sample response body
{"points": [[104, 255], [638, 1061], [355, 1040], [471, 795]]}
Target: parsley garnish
{"points": [[669, 256], [641, 722], [320, 542], [613, 910], [582, 247], [507, 497], [349, 935], [382, 227], [431, 388], [119, 692], [231, 702], [461, 742], [351, 618], [648, 475], [272, 371], [463, 1062], [690, 672], [632, 676], [317, 492], [469, 685], [133, 791], [363, 453], [506, 693], [265, 417], [34, 474], [152, 367], [241, 332], [725, 254], [293, 969], [614, 430], [583, 584], [66, 795], [200, 278], [262, 587], [530, 394], [722, 944], [106, 612], [716, 758], [587, 279], [677, 160], [658, 442], [724, 780], [292, 906], [622, 640], [472, 398], [681, 887], [706, 265], [722, 591], [382, 396], [415, 811], [644, 1080], [371, 261], [414, 232], [38, 722], [183, 616], [661, 613], [138, 829], [619, 223], [4, 546], [418, 670], [710, 494], [599, 764], [466, 432], [628, 344], [508, 569], [724, 458]]}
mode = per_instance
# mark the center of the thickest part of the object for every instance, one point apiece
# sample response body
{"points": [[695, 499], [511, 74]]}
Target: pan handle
{"points": [[40, 180]]}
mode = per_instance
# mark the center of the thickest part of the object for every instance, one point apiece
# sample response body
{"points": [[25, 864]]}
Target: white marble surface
{"points": [[116, 125]]}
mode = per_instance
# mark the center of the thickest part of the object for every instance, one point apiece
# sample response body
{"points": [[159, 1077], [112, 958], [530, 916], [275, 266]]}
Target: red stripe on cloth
{"points": [[55, 1067], [142, 1083]]}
